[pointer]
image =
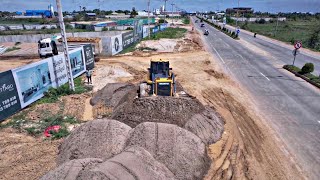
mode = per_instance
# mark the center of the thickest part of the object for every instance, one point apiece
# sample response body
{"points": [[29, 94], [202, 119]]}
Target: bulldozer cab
{"points": [[160, 80], [159, 69]]}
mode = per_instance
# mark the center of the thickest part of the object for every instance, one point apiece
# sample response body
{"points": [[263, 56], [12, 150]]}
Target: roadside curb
{"points": [[303, 77]]}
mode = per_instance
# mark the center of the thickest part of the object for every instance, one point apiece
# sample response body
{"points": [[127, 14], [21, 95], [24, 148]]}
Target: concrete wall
{"points": [[34, 38]]}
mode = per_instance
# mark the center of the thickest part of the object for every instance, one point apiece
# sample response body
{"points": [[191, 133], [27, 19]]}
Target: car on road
{"points": [[196, 21], [202, 25], [206, 32]]}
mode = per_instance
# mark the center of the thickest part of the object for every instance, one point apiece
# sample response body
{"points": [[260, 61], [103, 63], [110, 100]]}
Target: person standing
{"points": [[89, 74]]}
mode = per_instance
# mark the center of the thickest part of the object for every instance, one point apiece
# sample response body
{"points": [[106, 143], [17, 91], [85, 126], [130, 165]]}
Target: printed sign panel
{"points": [[77, 62], [155, 29], [59, 70], [9, 99], [145, 32], [116, 42], [88, 56], [163, 27], [33, 80], [127, 39]]}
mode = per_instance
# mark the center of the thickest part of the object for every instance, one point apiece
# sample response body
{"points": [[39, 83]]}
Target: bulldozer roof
{"points": [[159, 60]]}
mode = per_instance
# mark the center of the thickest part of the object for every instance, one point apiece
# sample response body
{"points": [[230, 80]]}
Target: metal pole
{"points": [[172, 12], [65, 46], [237, 14], [277, 25], [294, 56], [149, 19]]}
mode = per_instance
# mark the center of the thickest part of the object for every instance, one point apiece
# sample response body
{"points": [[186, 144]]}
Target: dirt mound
{"points": [[180, 150], [208, 126], [96, 139], [71, 169], [134, 163], [169, 110], [112, 94]]}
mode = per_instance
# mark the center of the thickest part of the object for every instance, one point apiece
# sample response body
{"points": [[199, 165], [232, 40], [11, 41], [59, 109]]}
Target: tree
{"points": [[133, 13], [84, 9], [314, 40], [307, 68]]}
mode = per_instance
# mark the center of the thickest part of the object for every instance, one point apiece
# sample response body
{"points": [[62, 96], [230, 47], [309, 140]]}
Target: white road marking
{"points": [[219, 55], [264, 76]]}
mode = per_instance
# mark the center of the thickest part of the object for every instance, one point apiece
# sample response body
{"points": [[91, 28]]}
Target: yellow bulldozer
{"points": [[160, 80]]}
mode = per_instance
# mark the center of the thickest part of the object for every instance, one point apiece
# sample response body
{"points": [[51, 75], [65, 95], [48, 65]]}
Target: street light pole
{"points": [[149, 19], [65, 46], [172, 12], [237, 13]]}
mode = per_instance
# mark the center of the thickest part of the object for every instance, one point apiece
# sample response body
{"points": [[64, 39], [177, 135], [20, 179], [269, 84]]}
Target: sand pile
{"points": [[158, 137], [96, 139], [108, 149]]}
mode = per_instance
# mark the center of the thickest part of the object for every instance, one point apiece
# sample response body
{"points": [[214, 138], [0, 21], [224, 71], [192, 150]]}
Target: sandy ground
{"points": [[247, 150]]}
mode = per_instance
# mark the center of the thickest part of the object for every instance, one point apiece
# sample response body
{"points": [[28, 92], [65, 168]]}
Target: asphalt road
{"points": [[290, 105]]}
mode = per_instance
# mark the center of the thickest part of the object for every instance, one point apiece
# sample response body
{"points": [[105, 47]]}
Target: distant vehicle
{"points": [[206, 32], [49, 47], [202, 25], [196, 21]]}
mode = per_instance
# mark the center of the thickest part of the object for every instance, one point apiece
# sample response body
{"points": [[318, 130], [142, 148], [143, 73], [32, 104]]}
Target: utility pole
{"points": [[237, 14], [149, 19], [65, 46], [172, 12], [277, 24]]}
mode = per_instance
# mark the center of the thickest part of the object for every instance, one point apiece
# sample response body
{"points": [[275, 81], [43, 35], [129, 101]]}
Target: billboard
{"points": [[88, 56], [163, 26], [59, 70], [145, 31], [9, 99], [127, 39], [77, 62], [116, 43], [33, 80]]}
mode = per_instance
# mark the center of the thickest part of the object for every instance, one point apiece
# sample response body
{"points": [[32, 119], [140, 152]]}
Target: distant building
{"points": [[241, 10], [92, 15], [49, 13]]}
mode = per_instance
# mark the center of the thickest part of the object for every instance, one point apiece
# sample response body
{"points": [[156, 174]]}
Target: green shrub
{"points": [[307, 68]]}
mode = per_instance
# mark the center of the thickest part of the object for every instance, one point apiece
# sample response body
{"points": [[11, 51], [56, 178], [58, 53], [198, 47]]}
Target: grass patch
{"points": [[291, 67], [52, 95], [169, 33], [130, 48], [14, 48], [186, 21], [312, 78], [288, 31], [33, 128]]}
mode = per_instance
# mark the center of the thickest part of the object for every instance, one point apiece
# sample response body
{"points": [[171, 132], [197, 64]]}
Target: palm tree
{"points": [[84, 9]]}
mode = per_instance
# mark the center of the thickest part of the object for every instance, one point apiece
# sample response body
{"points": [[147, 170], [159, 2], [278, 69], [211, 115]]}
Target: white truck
{"points": [[52, 46]]}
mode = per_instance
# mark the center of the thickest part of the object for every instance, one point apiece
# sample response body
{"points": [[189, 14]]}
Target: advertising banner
{"points": [[155, 29], [88, 56], [77, 62], [59, 70], [33, 80], [9, 99], [163, 26], [145, 31], [116, 42], [127, 39]]}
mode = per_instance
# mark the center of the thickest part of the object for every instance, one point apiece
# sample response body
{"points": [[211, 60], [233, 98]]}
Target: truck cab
{"points": [[47, 48]]}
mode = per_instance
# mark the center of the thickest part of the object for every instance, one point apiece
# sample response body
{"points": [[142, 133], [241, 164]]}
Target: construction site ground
{"points": [[248, 148]]}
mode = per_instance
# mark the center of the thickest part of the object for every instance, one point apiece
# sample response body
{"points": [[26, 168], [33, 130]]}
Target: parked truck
{"points": [[53, 46]]}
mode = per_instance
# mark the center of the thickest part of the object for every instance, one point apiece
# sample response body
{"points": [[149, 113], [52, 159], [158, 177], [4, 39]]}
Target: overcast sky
{"points": [[189, 5]]}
